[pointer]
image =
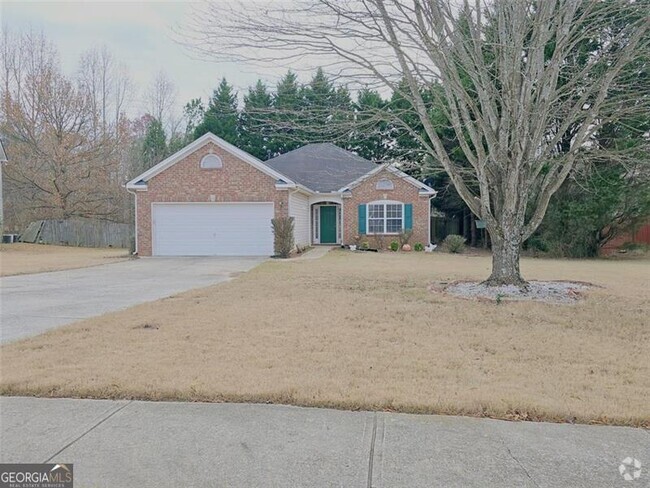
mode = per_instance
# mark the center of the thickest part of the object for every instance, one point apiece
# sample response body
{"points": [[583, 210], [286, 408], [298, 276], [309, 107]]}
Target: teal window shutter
{"points": [[362, 219], [408, 216]]}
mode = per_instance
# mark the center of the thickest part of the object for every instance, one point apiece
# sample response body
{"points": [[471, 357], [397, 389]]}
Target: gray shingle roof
{"points": [[321, 167]]}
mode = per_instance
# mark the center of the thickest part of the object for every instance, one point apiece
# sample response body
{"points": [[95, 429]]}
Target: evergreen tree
{"points": [[177, 141], [369, 135], [255, 131], [403, 144], [154, 145], [318, 104], [221, 117], [327, 111], [287, 105], [319, 94], [194, 111]]}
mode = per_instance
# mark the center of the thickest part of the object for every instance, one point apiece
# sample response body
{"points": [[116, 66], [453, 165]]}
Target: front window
{"points": [[385, 218]]}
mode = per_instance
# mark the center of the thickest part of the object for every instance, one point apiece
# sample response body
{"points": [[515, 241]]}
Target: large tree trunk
{"points": [[505, 262]]}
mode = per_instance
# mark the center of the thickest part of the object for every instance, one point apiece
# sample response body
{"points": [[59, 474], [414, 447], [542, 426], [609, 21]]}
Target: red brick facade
{"points": [[403, 192], [240, 181], [185, 181]]}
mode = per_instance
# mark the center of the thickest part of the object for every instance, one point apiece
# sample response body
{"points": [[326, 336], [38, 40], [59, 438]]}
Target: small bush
{"points": [[454, 243], [365, 245], [283, 236], [405, 237], [419, 247], [634, 246], [394, 246]]}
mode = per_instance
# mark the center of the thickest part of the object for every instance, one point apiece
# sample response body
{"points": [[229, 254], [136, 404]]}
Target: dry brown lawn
{"points": [[22, 258], [363, 331]]}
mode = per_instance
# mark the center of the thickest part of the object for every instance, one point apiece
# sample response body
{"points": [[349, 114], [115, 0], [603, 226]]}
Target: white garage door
{"points": [[212, 229]]}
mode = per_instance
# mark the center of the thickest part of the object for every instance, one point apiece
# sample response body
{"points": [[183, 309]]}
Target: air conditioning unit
{"points": [[9, 238]]}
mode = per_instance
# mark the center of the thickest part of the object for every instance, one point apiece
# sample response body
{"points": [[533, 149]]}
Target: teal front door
{"points": [[328, 225]]}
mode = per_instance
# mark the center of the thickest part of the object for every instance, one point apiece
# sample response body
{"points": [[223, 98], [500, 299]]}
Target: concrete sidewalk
{"points": [[147, 444]]}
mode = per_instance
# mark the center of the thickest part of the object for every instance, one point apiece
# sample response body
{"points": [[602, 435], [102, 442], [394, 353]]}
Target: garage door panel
{"points": [[212, 229]]}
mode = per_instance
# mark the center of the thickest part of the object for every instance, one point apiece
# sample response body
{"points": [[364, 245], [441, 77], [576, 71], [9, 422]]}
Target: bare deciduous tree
{"points": [[65, 159], [107, 84], [161, 98], [524, 84]]}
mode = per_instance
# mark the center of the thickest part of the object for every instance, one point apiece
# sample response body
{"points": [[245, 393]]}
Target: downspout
{"points": [[429, 223]]}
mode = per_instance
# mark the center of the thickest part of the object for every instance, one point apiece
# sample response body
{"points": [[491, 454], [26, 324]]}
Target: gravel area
{"points": [[541, 291]]}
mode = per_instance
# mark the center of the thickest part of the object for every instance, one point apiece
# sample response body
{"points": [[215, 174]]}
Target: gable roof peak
{"points": [[140, 181]]}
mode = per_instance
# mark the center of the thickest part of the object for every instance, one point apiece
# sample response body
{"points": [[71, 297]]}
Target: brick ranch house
{"points": [[212, 198]]}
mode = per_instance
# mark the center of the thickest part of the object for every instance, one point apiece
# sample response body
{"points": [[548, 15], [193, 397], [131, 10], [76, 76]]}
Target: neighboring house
{"points": [[211, 198], [639, 235]]}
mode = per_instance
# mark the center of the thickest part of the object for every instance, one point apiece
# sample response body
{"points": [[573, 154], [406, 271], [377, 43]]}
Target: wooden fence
{"points": [[639, 235], [80, 232]]}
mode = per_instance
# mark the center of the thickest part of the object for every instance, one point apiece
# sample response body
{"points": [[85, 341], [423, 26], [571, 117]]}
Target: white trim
{"points": [[193, 146], [135, 220], [247, 202], [315, 227], [339, 224], [315, 230], [385, 218], [362, 178], [424, 189], [151, 206], [325, 197]]}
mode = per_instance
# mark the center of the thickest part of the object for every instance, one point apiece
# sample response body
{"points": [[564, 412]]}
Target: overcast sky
{"points": [[140, 34]]}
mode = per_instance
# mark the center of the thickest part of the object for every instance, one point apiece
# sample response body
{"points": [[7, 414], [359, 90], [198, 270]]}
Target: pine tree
{"points": [[154, 145], [194, 111], [221, 117], [287, 105], [369, 135], [319, 94], [255, 131], [319, 102], [403, 144], [328, 111]]}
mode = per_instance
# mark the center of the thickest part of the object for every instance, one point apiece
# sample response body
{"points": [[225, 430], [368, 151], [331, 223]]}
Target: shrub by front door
{"points": [[328, 225]]}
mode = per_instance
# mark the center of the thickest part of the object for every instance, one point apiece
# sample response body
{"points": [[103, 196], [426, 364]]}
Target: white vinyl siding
{"points": [[299, 210], [212, 229]]}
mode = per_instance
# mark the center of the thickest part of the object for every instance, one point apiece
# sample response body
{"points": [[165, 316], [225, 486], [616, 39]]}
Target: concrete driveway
{"points": [[148, 444], [32, 304]]}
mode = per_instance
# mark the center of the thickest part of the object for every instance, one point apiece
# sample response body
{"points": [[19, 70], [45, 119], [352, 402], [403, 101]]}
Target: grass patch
{"points": [[363, 331], [23, 258]]}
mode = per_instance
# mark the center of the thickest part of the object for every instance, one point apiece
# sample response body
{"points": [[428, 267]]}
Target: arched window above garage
{"points": [[211, 161]]}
